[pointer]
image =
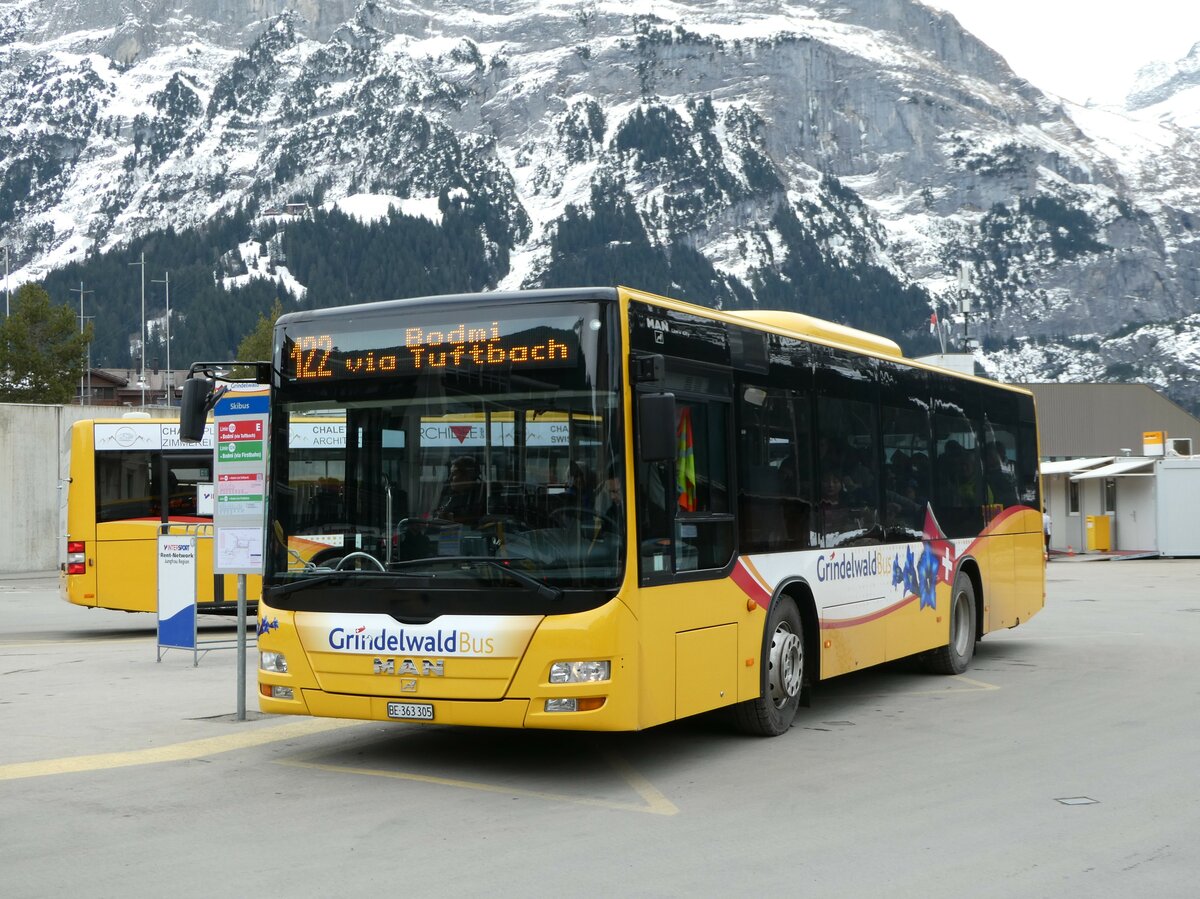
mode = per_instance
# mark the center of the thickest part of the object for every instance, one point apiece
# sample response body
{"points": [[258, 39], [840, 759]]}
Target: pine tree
{"points": [[41, 350], [257, 345]]}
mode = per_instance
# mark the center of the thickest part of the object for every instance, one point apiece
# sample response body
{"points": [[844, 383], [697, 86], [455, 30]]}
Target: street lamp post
{"points": [[170, 375], [142, 372], [82, 321]]}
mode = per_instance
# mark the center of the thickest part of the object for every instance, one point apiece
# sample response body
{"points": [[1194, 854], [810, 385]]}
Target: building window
{"points": [[1073, 497], [1110, 495]]}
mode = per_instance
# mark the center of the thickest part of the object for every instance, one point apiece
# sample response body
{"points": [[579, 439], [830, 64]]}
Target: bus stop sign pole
{"points": [[240, 472]]}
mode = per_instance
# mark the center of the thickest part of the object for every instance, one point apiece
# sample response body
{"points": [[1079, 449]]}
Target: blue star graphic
{"points": [[928, 574], [910, 572]]}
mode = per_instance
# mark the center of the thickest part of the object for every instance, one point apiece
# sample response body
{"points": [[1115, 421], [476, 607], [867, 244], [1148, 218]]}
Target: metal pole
{"points": [[7, 292], [81, 334], [82, 322], [170, 374], [142, 341], [241, 647], [169, 378]]}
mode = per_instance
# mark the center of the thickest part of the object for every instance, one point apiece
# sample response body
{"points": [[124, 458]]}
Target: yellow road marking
{"points": [[976, 685], [176, 752], [655, 803]]}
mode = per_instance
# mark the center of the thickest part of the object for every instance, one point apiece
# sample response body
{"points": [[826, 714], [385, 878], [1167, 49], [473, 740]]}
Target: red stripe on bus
{"points": [[751, 587]]}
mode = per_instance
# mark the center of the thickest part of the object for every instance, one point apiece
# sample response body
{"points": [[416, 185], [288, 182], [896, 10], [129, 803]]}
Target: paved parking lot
{"points": [[1065, 762]]}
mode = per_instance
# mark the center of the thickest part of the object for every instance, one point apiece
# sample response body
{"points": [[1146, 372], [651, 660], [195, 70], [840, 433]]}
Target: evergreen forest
{"points": [[341, 260]]}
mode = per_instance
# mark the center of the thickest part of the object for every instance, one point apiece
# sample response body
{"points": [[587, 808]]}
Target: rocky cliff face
{"points": [[874, 142]]}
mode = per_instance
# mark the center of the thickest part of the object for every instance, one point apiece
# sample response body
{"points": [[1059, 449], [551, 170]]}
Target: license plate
{"points": [[421, 711]]}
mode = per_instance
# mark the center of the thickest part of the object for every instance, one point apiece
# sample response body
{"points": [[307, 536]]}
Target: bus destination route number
{"points": [[313, 357]]}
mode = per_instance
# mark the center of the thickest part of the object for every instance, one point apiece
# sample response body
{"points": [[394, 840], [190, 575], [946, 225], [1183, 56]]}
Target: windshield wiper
{"points": [[544, 590], [327, 577], [310, 581]]}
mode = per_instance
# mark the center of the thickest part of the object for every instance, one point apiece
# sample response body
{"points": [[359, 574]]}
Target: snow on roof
{"points": [[1070, 466]]}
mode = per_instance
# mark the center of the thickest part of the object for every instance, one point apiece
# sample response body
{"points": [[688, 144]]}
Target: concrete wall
{"points": [[33, 466]]}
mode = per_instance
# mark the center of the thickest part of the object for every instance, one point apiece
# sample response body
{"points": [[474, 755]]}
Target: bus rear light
{"points": [[76, 557]]}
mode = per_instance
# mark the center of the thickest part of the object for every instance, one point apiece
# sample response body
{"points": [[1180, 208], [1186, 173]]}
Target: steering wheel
{"points": [[567, 514], [358, 554]]}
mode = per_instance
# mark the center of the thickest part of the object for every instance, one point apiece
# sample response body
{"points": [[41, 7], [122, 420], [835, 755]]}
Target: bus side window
{"points": [[957, 501], [849, 470], [703, 515], [685, 519], [1027, 462], [775, 484], [905, 472]]}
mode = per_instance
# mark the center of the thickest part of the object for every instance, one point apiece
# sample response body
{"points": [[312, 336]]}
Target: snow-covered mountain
{"points": [[756, 142]]}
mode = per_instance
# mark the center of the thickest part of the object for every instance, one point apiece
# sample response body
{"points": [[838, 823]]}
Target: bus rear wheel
{"points": [[955, 657], [782, 666]]}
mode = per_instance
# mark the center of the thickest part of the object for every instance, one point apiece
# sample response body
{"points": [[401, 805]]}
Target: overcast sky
{"points": [[1081, 49]]}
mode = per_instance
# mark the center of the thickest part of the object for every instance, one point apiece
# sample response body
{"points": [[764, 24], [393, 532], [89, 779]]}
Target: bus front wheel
{"points": [[782, 666], [955, 657]]}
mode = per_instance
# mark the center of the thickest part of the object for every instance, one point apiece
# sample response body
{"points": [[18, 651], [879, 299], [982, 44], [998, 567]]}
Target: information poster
{"points": [[177, 592], [240, 479]]}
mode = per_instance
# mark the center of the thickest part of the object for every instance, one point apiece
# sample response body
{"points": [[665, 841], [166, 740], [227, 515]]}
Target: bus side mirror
{"points": [[197, 400], [656, 427]]}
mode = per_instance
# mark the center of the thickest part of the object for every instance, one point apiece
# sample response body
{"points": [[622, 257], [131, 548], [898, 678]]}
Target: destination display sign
{"points": [[419, 346]]}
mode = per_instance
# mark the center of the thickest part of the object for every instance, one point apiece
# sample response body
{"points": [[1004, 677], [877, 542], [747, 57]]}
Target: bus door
{"points": [[690, 610]]}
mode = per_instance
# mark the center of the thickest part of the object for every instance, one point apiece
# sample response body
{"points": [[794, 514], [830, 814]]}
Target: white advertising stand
{"points": [[176, 559], [240, 493], [177, 571], [177, 595]]}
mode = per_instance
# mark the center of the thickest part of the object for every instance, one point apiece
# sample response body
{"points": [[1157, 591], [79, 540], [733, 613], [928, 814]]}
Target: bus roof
{"points": [[382, 307], [793, 324], [807, 327]]}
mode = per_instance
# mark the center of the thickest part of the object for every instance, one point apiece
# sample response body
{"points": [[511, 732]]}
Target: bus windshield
{"points": [[473, 482]]}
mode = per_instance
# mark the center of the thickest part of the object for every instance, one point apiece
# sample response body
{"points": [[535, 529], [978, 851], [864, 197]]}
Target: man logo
{"points": [[409, 667]]}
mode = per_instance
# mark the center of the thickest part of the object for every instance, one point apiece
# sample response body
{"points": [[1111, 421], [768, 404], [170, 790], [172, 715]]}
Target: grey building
{"points": [[1106, 490], [1080, 420]]}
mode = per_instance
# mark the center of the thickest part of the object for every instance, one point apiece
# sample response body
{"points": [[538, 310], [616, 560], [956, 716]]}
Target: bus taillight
{"points": [[76, 553]]}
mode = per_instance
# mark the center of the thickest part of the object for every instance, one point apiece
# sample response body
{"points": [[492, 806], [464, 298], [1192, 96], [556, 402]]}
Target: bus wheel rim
{"points": [[787, 665]]}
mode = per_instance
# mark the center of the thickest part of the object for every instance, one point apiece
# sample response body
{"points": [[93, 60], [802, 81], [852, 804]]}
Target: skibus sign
{"points": [[240, 474]]}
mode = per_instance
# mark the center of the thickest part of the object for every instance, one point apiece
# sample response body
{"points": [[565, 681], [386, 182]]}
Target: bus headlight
{"points": [[580, 672], [275, 662]]}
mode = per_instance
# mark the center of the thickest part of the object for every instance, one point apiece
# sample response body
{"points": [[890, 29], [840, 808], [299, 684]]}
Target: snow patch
{"points": [[368, 208]]}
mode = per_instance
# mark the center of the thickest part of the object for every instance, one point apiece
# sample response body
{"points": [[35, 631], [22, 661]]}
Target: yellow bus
{"points": [[635, 510], [123, 474]]}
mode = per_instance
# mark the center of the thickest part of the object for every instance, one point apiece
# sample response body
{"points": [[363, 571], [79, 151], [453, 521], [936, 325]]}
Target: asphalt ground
{"points": [[1065, 762]]}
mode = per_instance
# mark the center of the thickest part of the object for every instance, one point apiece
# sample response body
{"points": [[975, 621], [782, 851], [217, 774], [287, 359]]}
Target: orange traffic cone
{"points": [[1070, 550]]}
